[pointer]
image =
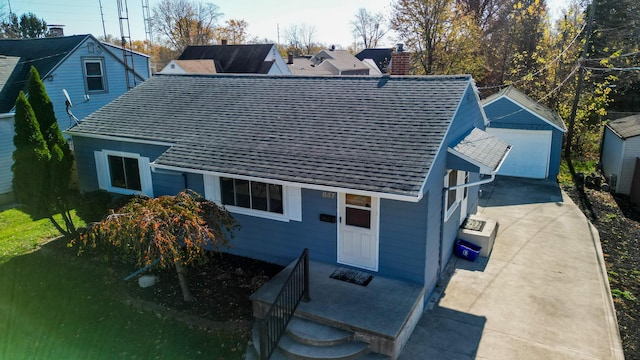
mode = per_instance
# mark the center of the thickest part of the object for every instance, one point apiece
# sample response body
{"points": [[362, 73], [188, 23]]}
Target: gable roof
{"points": [[340, 59], [201, 67], [374, 135], [626, 127], [43, 53], [520, 98], [381, 57], [235, 59]]}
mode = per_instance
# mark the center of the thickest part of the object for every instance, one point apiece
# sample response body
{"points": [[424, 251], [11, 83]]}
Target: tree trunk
{"points": [[186, 292]]}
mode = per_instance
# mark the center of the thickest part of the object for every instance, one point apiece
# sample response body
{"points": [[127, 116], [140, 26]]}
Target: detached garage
{"points": [[618, 154], [534, 131]]}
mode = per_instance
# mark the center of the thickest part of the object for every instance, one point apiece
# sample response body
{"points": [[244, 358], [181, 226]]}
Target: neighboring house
{"points": [[358, 183], [619, 153], [381, 57], [534, 131], [193, 67], [240, 59], [90, 71], [328, 62]]}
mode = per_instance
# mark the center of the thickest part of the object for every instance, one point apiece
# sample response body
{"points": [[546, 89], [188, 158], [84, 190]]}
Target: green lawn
{"points": [[54, 305]]}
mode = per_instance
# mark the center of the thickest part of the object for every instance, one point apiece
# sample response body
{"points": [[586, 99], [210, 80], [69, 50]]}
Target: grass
{"points": [[54, 305], [585, 166]]}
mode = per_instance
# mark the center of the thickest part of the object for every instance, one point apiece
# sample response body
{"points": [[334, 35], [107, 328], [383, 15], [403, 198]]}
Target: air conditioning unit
{"points": [[479, 231]]}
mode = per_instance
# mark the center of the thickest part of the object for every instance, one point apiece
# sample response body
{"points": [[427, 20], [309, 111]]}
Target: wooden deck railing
{"points": [[295, 288]]}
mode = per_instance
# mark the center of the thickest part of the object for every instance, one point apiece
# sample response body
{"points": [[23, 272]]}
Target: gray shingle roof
{"points": [[358, 133], [529, 104], [626, 127], [482, 149], [235, 59], [43, 53]]}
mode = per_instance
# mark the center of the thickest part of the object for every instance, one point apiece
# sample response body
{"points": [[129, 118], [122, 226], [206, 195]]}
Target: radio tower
{"points": [[146, 16], [127, 51]]}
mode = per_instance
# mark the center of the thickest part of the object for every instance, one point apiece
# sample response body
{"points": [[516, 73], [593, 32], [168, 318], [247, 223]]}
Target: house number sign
{"points": [[328, 195]]}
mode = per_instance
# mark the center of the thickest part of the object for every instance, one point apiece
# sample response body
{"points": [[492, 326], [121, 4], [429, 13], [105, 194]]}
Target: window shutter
{"points": [[212, 188], [145, 176], [102, 170], [294, 203]]}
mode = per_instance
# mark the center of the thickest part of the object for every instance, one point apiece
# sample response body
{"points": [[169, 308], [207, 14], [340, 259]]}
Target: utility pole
{"points": [[576, 99]]}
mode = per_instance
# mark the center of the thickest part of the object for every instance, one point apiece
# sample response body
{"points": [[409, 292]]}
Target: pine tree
{"points": [[58, 171], [30, 159]]}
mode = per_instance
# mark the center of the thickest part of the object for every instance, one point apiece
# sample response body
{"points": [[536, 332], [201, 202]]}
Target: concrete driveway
{"points": [[542, 294]]}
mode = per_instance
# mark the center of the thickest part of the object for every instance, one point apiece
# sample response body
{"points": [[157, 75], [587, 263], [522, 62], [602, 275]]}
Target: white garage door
{"points": [[530, 152]]}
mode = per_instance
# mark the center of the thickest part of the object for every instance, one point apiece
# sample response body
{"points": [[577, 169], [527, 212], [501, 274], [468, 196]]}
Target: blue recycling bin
{"points": [[467, 250]]}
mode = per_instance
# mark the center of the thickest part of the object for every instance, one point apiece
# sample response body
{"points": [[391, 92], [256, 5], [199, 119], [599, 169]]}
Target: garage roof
{"points": [[626, 127]]}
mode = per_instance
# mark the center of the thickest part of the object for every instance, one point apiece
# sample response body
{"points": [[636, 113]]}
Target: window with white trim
{"points": [[123, 173], [252, 195], [255, 198], [451, 179], [94, 75]]}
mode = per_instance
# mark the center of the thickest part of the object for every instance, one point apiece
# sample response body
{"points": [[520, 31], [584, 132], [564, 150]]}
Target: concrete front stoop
{"points": [[309, 340]]}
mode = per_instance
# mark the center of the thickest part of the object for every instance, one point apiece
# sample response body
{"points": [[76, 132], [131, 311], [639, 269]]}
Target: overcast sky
{"points": [[331, 18]]}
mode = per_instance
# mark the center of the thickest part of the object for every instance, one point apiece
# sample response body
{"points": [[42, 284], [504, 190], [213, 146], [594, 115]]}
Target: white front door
{"points": [[358, 231]]}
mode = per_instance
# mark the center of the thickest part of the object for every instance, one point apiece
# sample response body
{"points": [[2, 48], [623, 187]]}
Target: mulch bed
{"points": [[221, 288], [618, 223]]}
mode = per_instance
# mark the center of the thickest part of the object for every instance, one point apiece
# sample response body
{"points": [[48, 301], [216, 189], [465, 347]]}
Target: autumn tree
{"points": [[175, 230], [234, 31], [370, 28], [184, 22], [28, 26]]}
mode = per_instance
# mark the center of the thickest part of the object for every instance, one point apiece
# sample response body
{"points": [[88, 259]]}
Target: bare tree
{"points": [[369, 27], [234, 31], [184, 22], [302, 37]]}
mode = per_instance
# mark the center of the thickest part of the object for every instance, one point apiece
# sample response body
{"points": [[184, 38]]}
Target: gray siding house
{"points": [[619, 153]]}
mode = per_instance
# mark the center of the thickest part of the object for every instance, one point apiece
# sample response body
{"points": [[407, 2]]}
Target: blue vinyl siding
{"points": [[6, 154], [85, 160], [403, 230], [281, 242], [69, 75], [505, 114]]}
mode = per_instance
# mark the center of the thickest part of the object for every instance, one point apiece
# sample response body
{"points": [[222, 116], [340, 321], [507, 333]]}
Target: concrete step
{"points": [[344, 351], [316, 334]]}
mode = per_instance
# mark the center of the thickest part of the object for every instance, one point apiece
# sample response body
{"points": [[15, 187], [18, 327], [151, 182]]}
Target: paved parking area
{"points": [[542, 294]]}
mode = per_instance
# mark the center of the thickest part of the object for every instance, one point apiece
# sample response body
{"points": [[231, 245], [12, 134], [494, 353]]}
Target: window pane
{"points": [[451, 196], [242, 193], [132, 173], [94, 83], [93, 68], [275, 198], [258, 195], [116, 171], [358, 200], [226, 190], [358, 217]]}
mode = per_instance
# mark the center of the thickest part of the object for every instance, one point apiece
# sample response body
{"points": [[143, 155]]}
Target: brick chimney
{"points": [[400, 62]]}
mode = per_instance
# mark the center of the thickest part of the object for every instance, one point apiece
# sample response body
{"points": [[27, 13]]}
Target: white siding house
{"points": [[620, 149]]}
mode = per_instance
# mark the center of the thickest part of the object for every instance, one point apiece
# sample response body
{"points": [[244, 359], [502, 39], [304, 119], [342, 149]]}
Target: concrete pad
{"points": [[542, 294]]}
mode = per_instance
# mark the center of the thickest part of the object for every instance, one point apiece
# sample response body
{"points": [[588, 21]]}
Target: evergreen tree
{"points": [[58, 171], [30, 159]]}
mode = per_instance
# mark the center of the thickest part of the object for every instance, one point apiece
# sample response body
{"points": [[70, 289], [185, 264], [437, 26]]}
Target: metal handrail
{"points": [[294, 289]]}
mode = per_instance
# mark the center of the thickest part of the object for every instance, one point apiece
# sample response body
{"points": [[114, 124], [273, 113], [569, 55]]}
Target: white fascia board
{"points": [[335, 189], [118, 138], [7, 115]]}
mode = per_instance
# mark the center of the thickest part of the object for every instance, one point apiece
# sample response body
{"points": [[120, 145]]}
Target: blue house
{"points": [[90, 71], [375, 174], [534, 131]]}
